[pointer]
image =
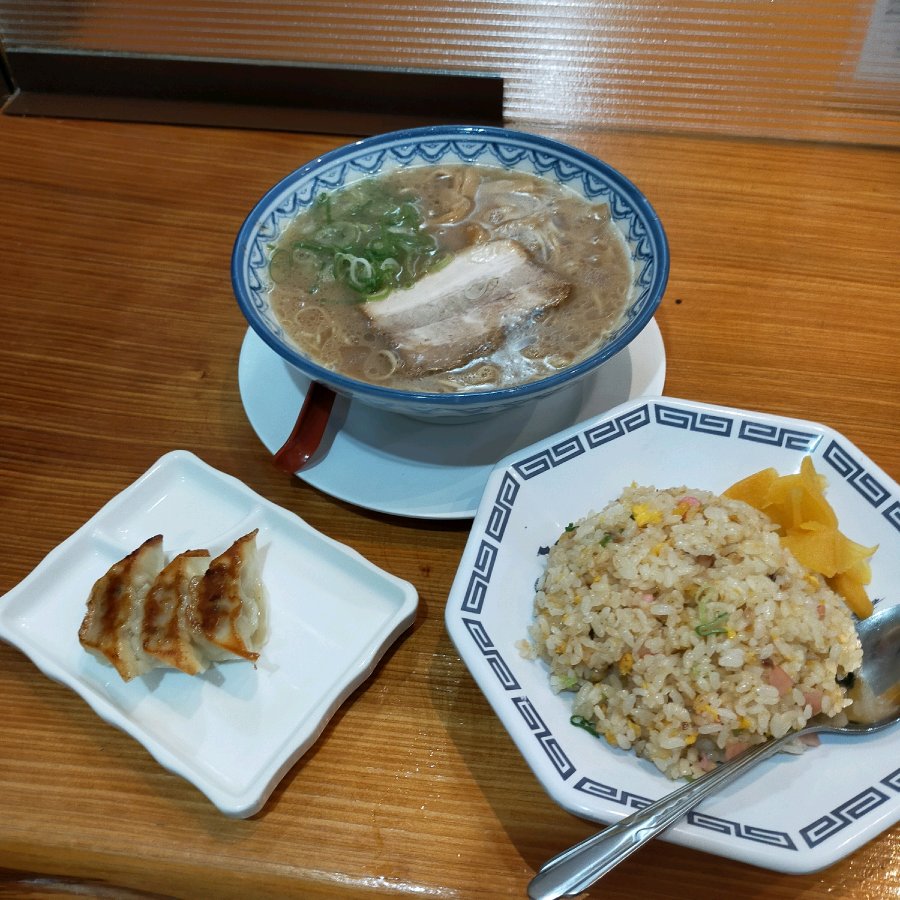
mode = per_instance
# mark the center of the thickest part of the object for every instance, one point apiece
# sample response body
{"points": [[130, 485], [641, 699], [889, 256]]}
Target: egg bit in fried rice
{"points": [[687, 631]]}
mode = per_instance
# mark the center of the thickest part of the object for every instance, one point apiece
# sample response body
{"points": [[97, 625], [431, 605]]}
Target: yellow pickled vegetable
{"points": [[809, 529], [825, 550], [798, 500], [861, 571], [853, 592], [754, 489]]}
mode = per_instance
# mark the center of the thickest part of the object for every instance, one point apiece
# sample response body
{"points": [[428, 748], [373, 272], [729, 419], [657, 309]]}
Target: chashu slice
{"points": [[167, 633], [465, 309], [111, 628], [229, 616]]}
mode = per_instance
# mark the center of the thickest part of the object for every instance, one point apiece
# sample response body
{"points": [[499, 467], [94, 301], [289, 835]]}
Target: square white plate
{"points": [[235, 730], [791, 814]]}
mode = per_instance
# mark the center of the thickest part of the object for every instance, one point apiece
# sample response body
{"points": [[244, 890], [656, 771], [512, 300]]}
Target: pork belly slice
{"points": [[464, 310], [111, 628], [229, 616], [167, 632]]}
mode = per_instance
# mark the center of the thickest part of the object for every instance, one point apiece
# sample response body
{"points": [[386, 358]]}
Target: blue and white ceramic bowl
{"points": [[450, 144]]}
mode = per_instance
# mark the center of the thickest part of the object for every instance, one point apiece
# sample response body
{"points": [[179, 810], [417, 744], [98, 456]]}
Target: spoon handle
{"points": [[576, 869], [308, 430]]}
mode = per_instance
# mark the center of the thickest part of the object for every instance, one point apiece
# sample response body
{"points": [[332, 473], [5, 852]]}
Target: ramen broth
{"points": [[359, 245]]}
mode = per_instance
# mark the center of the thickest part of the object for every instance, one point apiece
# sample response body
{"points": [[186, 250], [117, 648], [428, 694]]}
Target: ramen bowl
{"points": [[515, 152]]}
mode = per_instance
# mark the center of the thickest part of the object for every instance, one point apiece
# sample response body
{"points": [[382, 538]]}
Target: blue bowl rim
{"points": [[352, 386]]}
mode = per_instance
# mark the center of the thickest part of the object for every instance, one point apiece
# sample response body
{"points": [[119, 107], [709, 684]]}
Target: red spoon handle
{"points": [[308, 429]]}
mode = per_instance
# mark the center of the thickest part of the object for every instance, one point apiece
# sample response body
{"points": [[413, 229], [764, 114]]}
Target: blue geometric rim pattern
{"points": [[719, 424], [491, 147]]}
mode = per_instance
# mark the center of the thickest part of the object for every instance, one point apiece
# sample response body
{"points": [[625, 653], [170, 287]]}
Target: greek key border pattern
{"points": [[608, 792], [555, 455], [843, 462], [503, 504], [691, 420], [492, 655], [848, 812], [480, 577], [610, 429], [815, 833], [771, 837], [545, 738], [700, 820]]}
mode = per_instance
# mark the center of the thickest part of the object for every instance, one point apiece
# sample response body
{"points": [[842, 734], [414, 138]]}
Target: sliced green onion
{"points": [[706, 595], [582, 722], [280, 266], [366, 238], [713, 626]]}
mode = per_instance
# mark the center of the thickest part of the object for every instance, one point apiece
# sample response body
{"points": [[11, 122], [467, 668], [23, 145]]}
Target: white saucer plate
{"points": [[393, 464], [236, 730], [791, 814]]}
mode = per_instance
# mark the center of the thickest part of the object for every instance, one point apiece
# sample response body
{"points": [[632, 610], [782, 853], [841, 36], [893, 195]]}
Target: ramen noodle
{"points": [[450, 278]]}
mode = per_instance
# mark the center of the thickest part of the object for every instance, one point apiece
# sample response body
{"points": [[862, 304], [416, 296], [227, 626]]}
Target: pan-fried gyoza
{"points": [[145, 614]]}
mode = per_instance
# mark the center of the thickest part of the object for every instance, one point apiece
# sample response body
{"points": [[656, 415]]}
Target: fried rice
{"points": [[686, 631]]}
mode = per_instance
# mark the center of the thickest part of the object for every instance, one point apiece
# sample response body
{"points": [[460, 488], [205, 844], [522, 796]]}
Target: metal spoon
{"points": [[876, 705]]}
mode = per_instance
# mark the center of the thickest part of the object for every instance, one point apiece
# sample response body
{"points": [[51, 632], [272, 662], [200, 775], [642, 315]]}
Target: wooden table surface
{"points": [[120, 342]]}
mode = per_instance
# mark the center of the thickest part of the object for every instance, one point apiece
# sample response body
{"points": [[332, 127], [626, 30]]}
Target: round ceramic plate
{"points": [[402, 466]]}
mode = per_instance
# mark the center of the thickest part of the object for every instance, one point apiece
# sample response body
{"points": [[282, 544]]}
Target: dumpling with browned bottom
{"points": [[167, 631], [111, 628], [229, 616]]}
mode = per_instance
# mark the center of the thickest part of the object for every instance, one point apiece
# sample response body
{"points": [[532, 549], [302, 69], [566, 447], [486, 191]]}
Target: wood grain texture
{"points": [[120, 343]]}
